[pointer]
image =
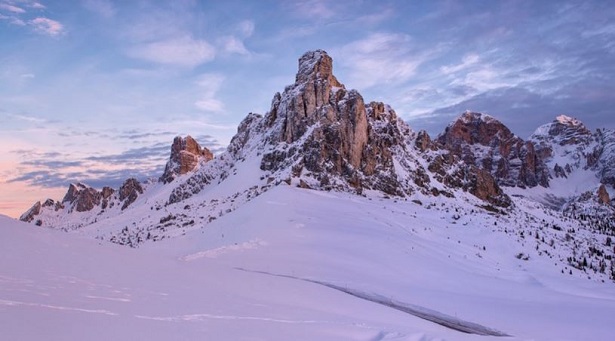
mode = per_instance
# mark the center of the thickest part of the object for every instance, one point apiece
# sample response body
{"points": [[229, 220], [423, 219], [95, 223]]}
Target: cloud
{"points": [[468, 61], [36, 5], [104, 8], [320, 9], [524, 110], [47, 26], [55, 169], [11, 8], [27, 118], [184, 51], [382, 58], [246, 28], [208, 86], [231, 44]]}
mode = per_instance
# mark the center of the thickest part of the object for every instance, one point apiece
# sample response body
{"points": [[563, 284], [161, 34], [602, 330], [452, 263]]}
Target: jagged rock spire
{"points": [[185, 156]]}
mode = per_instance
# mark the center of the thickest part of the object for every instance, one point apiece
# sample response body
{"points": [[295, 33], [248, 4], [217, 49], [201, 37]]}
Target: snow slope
{"points": [[316, 266]]}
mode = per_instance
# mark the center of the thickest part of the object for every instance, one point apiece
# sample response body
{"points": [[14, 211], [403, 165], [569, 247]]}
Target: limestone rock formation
{"points": [[485, 142], [81, 198], [337, 133], [129, 191], [32, 212], [320, 135], [186, 154]]}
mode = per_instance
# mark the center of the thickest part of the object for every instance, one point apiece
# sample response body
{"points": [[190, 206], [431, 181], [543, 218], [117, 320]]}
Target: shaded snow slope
{"points": [[439, 256]]}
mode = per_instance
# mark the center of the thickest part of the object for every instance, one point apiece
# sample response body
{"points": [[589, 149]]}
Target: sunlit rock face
{"points": [[485, 142], [186, 154]]}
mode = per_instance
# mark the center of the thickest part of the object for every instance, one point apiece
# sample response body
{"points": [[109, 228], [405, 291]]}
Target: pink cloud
{"points": [[47, 26], [12, 8]]}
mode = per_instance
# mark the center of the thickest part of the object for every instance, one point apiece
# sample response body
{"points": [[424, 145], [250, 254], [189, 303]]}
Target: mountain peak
{"points": [[564, 130], [481, 140], [316, 65], [475, 128], [567, 120], [185, 155], [471, 116]]}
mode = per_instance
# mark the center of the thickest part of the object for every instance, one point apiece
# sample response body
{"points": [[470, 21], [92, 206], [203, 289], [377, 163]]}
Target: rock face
{"points": [[603, 195], [565, 139], [568, 146], [29, 215], [186, 154], [485, 142], [320, 135], [453, 172], [329, 130], [604, 156], [81, 198], [129, 192]]}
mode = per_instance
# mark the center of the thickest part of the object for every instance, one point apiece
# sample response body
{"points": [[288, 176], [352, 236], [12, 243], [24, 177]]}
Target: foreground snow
{"points": [[296, 264]]}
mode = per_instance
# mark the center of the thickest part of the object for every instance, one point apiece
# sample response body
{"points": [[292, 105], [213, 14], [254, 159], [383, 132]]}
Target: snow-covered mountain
{"points": [[327, 190], [320, 135]]}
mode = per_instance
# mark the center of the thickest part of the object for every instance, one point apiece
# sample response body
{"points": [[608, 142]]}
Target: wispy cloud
{"points": [[468, 61], [208, 85], [47, 26], [232, 44], [382, 58], [321, 9], [246, 28], [104, 8], [11, 8], [53, 169], [28, 118], [17, 14], [183, 51]]}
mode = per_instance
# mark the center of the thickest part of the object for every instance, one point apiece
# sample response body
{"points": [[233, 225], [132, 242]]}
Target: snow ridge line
{"points": [[411, 309]]}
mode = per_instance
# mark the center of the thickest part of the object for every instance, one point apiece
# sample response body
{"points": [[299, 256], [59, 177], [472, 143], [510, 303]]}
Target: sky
{"points": [[94, 91]]}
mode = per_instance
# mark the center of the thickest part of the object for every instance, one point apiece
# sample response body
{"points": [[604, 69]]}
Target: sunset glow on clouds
{"points": [[95, 90]]}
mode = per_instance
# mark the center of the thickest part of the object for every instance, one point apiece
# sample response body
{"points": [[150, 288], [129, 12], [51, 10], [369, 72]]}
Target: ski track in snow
{"points": [[414, 310]]}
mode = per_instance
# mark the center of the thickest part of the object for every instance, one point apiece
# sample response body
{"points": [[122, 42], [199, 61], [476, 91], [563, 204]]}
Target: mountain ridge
{"points": [[319, 135]]}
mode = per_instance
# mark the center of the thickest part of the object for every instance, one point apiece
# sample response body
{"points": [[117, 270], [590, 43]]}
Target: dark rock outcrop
{"points": [[485, 142], [29, 215], [81, 198], [129, 191], [330, 131], [603, 195], [186, 154]]}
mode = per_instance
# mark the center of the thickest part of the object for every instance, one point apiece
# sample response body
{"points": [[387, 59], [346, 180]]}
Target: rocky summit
{"points": [[485, 142], [186, 153]]}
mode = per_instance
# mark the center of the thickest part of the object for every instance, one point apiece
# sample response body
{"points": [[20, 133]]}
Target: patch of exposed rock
{"points": [[81, 198], [452, 172], [320, 135], [29, 215], [603, 195], [186, 154], [129, 191], [321, 129], [486, 143]]}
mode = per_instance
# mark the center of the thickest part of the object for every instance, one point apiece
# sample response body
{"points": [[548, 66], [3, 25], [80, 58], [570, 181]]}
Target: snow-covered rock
{"points": [[186, 154], [485, 142]]}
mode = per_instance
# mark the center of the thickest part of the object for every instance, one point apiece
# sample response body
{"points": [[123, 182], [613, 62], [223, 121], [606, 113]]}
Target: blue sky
{"points": [[95, 90]]}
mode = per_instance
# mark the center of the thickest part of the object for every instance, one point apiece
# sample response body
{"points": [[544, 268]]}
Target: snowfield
{"points": [[296, 264]]}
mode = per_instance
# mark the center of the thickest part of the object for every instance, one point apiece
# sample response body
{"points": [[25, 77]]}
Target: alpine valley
{"points": [[329, 218]]}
